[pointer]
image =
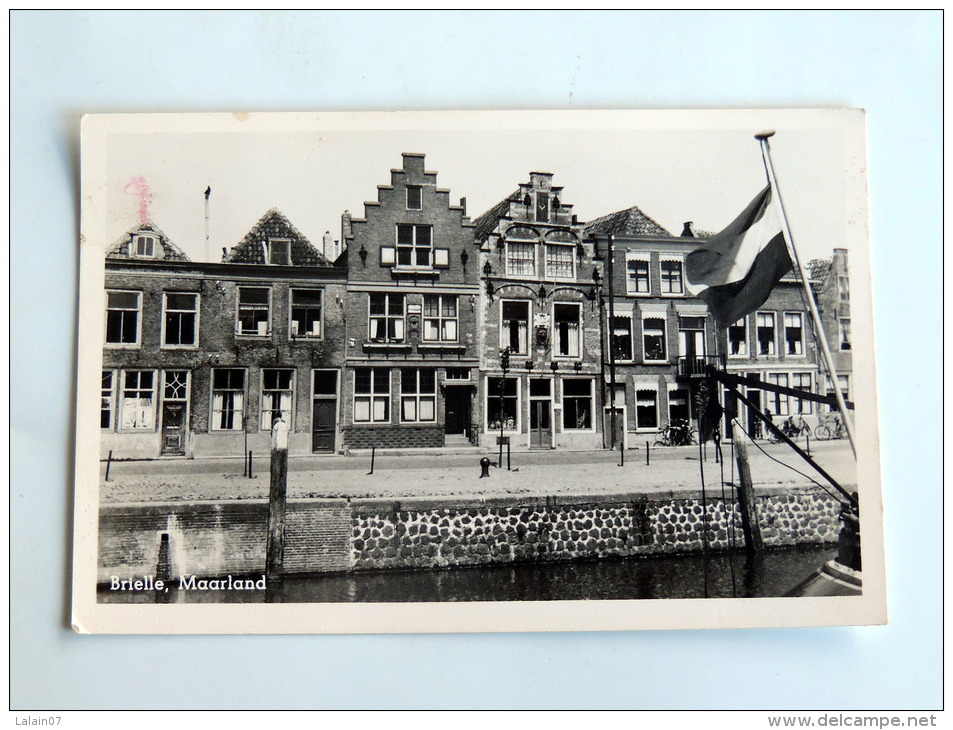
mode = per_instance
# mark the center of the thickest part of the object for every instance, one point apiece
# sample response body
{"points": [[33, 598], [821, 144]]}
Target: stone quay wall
{"points": [[212, 539]]}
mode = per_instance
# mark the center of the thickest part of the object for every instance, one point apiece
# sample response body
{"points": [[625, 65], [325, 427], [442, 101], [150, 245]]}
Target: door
{"points": [[540, 414], [457, 411], [324, 411], [691, 344], [173, 428]]}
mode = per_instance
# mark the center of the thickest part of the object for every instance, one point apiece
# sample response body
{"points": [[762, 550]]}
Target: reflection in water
{"points": [[718, 575]]}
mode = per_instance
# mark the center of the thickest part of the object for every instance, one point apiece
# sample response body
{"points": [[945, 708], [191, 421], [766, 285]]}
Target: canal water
{"points": [[719, 575]]}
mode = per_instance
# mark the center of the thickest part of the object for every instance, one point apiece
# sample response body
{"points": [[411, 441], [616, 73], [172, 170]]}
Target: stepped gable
{"points": [[486, 223], [274, 225], [169, 251], [629, 222]]}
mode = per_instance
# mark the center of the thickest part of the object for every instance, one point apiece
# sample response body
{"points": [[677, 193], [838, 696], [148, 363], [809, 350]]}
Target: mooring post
{"points": [[249, 465], [646, 453], [277, 504], [109, 461], [508, 456], [373, 451], [746, 501], [621, 454]]}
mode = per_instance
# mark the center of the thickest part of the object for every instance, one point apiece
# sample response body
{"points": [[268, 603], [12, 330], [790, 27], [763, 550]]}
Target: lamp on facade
{"points": [[363, 254], [596, 277], [542, 292], [464, 257], [577, 366], [554, 366], [529, 364], [487, 269]]}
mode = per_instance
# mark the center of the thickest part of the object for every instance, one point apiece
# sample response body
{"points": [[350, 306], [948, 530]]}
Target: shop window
{"points": [[122, 317], [515, 327], [621, 339], [566, 322], [502, 394], [386, 317], [793, 333], [306, 308], [738, 338], [228, 399], [418, 395], [765, 332], [277, 397], [371, 395], [646, 409], [138, 400], [653, 339], [180, 320], [440, 317], [577, 404], [254, 311]]}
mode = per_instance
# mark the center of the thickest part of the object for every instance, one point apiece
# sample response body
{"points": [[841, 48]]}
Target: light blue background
{"points": [[67, 63]]}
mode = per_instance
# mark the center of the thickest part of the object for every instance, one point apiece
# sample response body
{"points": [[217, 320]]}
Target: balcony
{"points": [[694, 367]]}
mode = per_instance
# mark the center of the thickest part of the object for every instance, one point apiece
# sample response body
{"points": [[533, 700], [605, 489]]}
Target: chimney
{"points": [[463, 204], [327, 246], [224, 255], [688, 231], [345, 227]]}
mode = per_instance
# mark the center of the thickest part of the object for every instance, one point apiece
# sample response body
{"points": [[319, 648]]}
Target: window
{"points": [[418, 394], [503, 393], [138, 400], [108, 402], [386, 318], [566, 321], [277, 397], [414, 246], [637, 275], [577, 404], [843, 326], [678, 405], [779, 401], [843, 381], [254, 311], [458, 374], [228, 399], [765, 333], [646, 409], [843, 288], [144, 247], [440, 317], [414, 197], [122, 317], [175, 385], [621, 338], [560, 261], [181, 316], [279, 252], [738, 338], [802, 381], [671, 276], [520, 258], [793, 333], [371, 395], [515, 327], [542, 207], [653, 339], [306, 312]]}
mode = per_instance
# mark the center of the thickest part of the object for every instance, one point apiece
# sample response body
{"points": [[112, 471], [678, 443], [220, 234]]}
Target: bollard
{"points": [[373, 451], [109, 462], [508, 456], [484, 467], [249, 466], [621, 454], [646, 453]]}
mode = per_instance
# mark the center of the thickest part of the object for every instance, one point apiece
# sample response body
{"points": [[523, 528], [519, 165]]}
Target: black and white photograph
{"points": [[476, 371]]}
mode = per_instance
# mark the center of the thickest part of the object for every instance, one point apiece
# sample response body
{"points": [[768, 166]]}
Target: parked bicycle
{"points": [[676, 433], [830, 427]]}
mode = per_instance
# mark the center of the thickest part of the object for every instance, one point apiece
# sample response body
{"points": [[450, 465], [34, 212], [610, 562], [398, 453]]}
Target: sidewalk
{"points": [[538, 474]]}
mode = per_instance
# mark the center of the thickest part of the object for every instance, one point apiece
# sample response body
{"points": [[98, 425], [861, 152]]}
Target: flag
{"points": [[735, 270]]}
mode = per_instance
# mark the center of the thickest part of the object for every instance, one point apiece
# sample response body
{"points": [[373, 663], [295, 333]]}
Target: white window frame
{"points": [[652, 388], [672, 259], [534, 259], [803, 406], [592, 405], [166, 310], [417, 396], [774, 337], [134, 246], [372, 395], [505, 332], [645, 358], [441, 319], [239, 412], [137, 310], [492, 401], [290, 391], [562, 248], [459, 374], [743, 322], [556, 334], [612, 328], [631, 256], [688, 401], [122, 401], [387, 317], [780, 401], [801, 341], [238, 311], [291, 312], [109, 397], [413, 246], [270, 250]]}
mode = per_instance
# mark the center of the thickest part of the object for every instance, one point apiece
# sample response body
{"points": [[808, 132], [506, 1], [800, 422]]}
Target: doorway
{"points": [[324, 411], [456, 403], [173, 429], [540, 414]]}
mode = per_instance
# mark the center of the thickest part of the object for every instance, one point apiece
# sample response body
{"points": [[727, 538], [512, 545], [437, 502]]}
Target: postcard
{"points": [[476, 372]]}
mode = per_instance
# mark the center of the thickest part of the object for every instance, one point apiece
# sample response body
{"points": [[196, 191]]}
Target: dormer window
{"points": [[414, 246], [144, 247], [278, 252], [414, 197]]}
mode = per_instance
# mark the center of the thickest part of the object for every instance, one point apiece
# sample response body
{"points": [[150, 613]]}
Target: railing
{"points": [[694, 367]]}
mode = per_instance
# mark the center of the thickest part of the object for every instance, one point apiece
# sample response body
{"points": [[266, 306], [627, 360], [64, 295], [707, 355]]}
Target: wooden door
{"points": [[173, 428]]}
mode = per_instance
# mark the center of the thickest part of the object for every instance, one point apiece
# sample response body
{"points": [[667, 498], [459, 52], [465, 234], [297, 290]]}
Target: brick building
{"points": [[411, 310], [199, 358], [832, 294], [539, 304]]}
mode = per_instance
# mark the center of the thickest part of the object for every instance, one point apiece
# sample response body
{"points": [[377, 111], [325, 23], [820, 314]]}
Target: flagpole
{"points": [[818, 327]]}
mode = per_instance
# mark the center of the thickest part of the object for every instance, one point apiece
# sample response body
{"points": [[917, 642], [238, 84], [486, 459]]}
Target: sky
{"points": [[675, 166]]}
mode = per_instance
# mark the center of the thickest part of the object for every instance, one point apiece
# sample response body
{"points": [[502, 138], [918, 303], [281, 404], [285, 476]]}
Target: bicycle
{"points": [[676, 433], [792, 427], [830, 427]]}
